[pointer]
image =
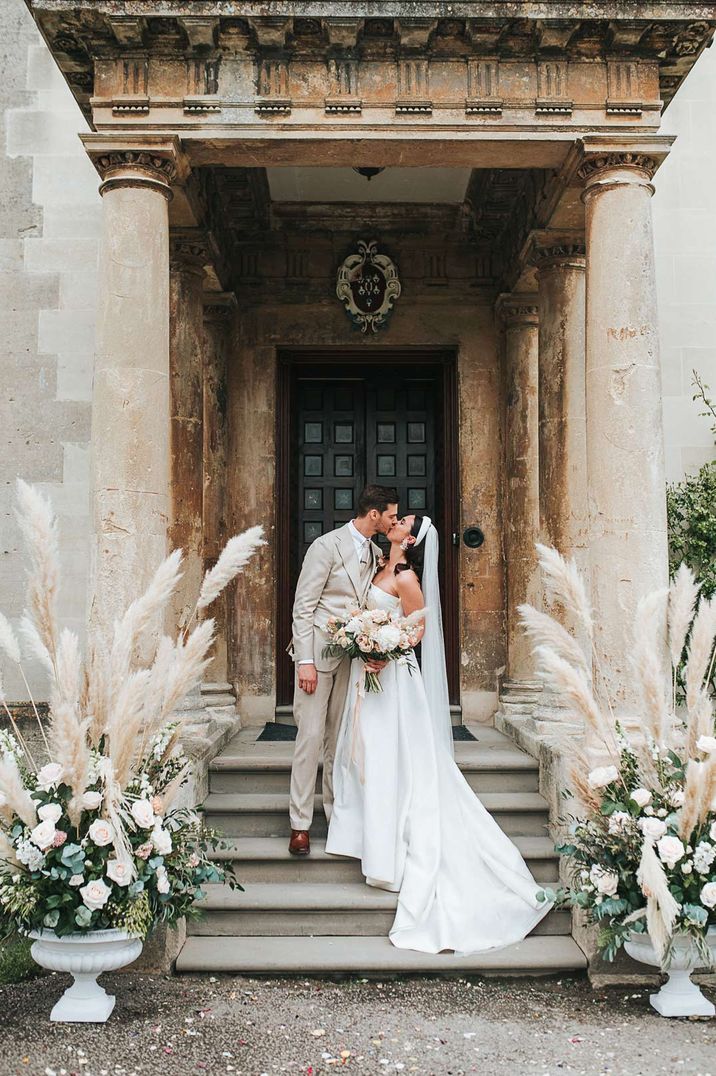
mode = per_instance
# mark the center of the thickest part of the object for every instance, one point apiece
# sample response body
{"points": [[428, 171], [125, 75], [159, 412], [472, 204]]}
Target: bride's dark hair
{"points": [[414, 554]]}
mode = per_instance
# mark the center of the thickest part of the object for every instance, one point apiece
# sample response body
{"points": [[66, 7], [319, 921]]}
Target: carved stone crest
{"points": [[368, 285]]}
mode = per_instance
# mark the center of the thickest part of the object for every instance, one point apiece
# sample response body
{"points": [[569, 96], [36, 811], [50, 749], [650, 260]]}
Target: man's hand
{"points": [[375, 666], [307, 678]]}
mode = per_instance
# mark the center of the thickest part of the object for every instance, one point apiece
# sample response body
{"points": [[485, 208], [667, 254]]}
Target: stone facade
{"points": [[282, 272]]}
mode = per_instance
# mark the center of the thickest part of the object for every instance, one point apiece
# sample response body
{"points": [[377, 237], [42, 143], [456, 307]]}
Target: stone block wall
{"points": [[49, 228]]}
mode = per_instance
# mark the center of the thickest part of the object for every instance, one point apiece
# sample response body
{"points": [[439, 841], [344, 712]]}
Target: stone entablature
{"points": [[179, 63]]}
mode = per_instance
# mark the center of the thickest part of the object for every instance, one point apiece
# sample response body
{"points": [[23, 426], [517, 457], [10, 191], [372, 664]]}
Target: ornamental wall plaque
{"points": [[368, 285]]}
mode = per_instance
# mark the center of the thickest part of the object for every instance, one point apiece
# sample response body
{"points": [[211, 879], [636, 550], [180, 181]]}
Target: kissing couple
{"points": [[407, 813]]}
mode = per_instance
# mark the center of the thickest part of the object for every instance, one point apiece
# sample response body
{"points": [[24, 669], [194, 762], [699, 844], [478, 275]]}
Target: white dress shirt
{"points": [[361, 544]]}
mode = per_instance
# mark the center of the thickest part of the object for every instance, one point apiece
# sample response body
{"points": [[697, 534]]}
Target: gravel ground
{"points": [[176, 1026]]}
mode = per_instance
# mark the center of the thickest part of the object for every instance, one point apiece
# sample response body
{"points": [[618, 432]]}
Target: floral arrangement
{"points": [[374, 635], [642, 850], [93, 838]]}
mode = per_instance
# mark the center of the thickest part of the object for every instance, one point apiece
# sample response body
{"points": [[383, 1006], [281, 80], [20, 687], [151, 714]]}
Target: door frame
{"points": [[289, 363]]}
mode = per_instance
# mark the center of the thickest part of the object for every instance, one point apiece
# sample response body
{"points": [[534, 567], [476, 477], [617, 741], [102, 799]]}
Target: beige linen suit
{"points": [[331, 580]]}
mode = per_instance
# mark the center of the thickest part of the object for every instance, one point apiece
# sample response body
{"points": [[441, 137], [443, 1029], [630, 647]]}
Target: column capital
{"points": [[517, 308], [219, 307], [188, 250], [154, 161], [557, 250], [608, 160]]}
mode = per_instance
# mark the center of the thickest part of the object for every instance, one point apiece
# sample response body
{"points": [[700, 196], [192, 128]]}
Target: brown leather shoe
{"points": [[299, 845]]}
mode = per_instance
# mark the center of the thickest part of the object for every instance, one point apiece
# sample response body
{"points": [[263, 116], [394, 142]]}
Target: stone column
{"points": [[562, 435], [130, 403], [186, 354], [521, 501], [625, 454], [219, 309]]}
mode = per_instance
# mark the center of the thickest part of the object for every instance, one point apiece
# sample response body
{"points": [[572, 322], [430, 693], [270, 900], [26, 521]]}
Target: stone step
{"points": [[536, 955], [266, 859], [485, 769], [303, 909], [256, 814]]}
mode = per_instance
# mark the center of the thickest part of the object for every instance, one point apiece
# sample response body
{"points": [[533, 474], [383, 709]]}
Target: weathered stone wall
{"points": [[685, 238], [49, 227], [445, 321]]}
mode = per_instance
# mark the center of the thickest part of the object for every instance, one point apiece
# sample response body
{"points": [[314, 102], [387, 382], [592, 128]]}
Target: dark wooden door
{"points": [[372, 423]]}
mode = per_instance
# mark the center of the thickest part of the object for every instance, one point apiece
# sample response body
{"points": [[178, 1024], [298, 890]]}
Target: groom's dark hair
{"points": [[378, 497]]}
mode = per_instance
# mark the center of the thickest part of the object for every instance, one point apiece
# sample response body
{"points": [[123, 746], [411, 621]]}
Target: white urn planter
{"points": [[678, 996], [84, 956]]}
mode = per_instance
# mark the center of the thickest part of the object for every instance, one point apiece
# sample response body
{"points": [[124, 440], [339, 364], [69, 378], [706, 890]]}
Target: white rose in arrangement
{"points": [[708, 895], [652, 828], [619, 822], [143, 813], [641, 797], [101, 832], [602, 776], [50, 812], [388, 638], [119, 872], [687, 867], [162, 880], [712, 831], [354, 626], [378, 616], [30, 855], [49, 776], [77, 879], [671, 850], [606, 882], [364, 643], [95, 894], [43, 834], [162, 841], [703, 857], [707, 744], [91, 801], [676, 799]]}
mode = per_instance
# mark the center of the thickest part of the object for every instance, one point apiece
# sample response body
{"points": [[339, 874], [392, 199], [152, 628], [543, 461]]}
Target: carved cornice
{"points": [[517, 310], [219, 309], [559, 255], [597, 164], [188, 251]]}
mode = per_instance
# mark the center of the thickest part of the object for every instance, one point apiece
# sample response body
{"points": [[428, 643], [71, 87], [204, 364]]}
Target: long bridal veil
{"points": [[432, 648]]}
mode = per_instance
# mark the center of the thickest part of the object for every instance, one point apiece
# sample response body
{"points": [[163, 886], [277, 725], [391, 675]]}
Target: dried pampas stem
{"points": [[234, 557], [661, 907], [544, 630], [701, 647], [573, 684], [564, 584], [39, 528], [693, 795], [682, 598], [649, 641], [16, 795]]}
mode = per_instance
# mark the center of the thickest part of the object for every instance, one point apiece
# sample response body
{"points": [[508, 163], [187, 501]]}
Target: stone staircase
{"points": [[316, 915]]}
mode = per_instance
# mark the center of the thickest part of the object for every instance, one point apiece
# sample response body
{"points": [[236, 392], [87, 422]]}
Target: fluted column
{"points": [[187, 259], [521, 502], [625, 455], [130, 402], [218, 320]]}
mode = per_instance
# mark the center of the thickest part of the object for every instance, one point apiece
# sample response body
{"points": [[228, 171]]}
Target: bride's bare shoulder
{"points": [[407, 582]]}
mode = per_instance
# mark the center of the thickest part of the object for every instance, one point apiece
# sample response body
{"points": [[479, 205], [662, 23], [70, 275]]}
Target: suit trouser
{"points": [[318, 719]]}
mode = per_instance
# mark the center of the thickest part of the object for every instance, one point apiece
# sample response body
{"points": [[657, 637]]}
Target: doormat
{"points": [[287, 733]]}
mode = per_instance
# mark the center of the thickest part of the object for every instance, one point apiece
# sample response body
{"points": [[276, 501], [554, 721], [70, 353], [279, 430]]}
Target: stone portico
{"points": [[534, 283]]}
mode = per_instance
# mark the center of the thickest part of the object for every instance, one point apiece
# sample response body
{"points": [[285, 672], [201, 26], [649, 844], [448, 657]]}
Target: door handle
{"points": [[455, 538]]}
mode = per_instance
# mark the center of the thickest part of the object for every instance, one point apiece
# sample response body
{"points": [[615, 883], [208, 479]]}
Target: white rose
{"points": [[687, 867], [95, 894], [602, 776], [676, 799], [49, 776], [641, 796], [91, 800], [652, 828], [707, 744], [671, 850], [77, 879], [119, 872], [607, 882], [162, 880], [618, 822], [712, 831], [101, 832], [143, 813], [43, 834], [708, 895], [50, 812], [162, 841], [388, 638]]}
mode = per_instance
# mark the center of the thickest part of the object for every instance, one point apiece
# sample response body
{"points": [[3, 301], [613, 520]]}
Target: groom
{"points": [[337, 571]]}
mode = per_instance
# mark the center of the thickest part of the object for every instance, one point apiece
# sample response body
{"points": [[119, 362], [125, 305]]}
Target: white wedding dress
{"points": [[419, 829]]}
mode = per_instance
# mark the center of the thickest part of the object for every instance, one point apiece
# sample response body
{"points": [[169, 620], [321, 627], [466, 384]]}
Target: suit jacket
{"points": [[329, 582]]}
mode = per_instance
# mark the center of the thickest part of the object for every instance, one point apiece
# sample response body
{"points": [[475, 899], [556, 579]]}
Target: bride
{"points": [[406, 811]]}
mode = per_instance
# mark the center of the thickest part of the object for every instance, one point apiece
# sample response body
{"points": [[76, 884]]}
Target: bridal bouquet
{"points": [[91, 836], [373, 635], [642, 850]]}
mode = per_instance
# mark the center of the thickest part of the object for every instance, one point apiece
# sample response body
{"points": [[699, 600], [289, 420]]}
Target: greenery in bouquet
{"points": [[641, 851], [93, 835], [374, 635]]}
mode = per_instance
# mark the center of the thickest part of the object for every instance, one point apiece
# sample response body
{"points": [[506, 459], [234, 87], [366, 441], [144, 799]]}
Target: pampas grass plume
{"points": [[564, 584], [39, 528], [682, 598], [233, 558], [17, 797], [573, 685], [544, 630], [8, 640], [651, 677], [701, 644]]}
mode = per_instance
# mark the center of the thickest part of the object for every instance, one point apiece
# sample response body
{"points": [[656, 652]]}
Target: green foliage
{"points": [[16, 963]]}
